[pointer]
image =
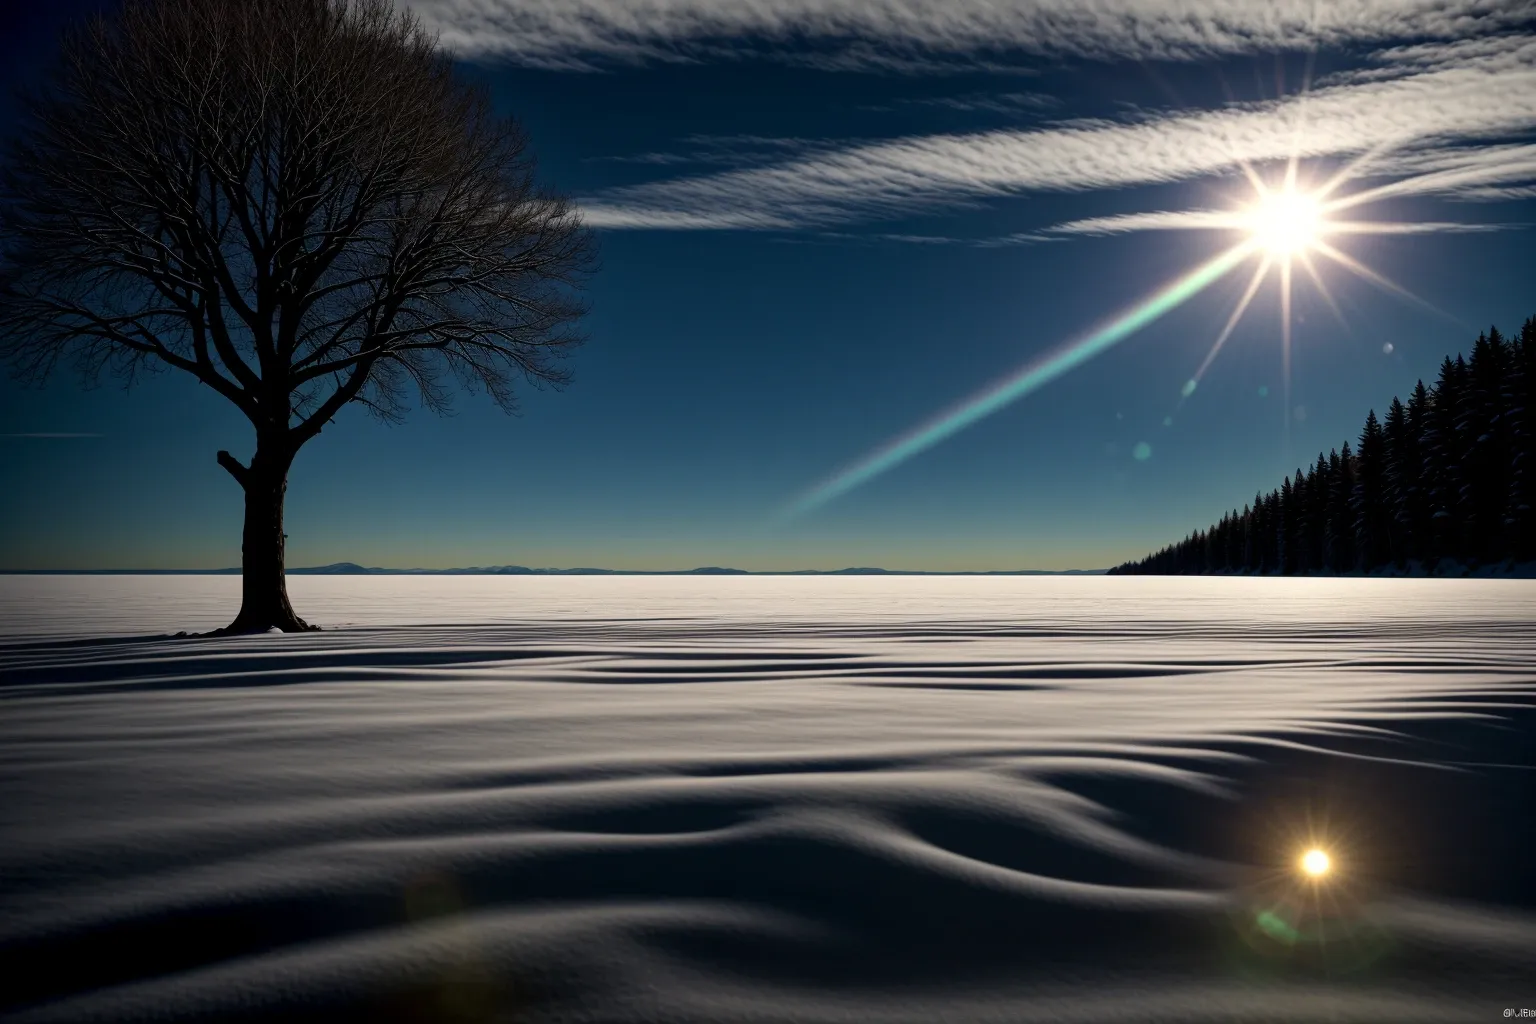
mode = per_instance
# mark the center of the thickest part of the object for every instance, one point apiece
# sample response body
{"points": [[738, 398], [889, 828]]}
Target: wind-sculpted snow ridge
{"points": [[768, 799]]}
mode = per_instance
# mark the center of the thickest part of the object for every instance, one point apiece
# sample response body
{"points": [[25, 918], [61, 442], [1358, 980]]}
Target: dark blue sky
{"points": [[824, 224]]}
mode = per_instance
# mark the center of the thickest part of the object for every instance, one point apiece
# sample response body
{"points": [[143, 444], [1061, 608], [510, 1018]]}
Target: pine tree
{"points": [[1414, 492], [1341, 518], [1331, 551], [1520, 403], [1442, 463], [1285, 560], [1250, 538], [1319, 483], [1268, 549], [1486, 437], [1369, 500], [1401, 477], [1451, 473]]}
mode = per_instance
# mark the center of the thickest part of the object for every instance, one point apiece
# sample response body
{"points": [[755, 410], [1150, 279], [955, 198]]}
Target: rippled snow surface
{"points": [[769, 799]]}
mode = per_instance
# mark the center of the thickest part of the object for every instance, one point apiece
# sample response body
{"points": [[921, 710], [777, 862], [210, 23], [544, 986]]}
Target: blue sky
{"points": [[825, 222]]}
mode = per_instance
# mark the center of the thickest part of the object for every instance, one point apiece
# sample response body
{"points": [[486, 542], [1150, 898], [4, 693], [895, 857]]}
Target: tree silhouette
{"points": [[1341, 520], [1442, 459], [1396, 483], [1316, 520], [1406, 477], [1369, 502], [1520, 404], [299, 204], [1450, 475]]}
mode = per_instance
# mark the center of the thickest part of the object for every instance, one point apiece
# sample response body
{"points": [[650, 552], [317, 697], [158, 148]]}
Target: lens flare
{"points": [[1022, 382], [1316, 863], [1282, 224]]}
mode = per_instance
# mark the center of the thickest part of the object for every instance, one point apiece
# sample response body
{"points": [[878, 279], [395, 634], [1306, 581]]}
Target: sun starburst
{"points": [[1279, 225], [1286, 223], [1316, 863], [1289, 224]]}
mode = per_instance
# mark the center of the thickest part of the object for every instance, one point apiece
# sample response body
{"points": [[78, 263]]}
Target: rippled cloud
{"points": [[923, 35], [1436, 128], [1442, 100]]}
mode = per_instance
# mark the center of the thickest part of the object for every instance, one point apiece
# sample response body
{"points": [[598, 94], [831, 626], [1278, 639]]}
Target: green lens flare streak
{"points": [[1026, 380]]}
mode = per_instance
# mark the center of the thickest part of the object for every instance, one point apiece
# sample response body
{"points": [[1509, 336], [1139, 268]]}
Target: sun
{"points": [[1286, 222], [1316, 863]]}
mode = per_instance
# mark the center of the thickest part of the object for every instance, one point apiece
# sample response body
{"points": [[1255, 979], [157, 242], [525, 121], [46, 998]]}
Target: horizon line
{"points": [[355, 569]]}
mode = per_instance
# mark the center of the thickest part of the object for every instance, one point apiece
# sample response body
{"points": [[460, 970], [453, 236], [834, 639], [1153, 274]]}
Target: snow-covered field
{"points": [[824, 799]]}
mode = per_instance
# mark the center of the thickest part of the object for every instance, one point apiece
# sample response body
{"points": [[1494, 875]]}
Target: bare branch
{"points": [[236, 470], [297, 202]]}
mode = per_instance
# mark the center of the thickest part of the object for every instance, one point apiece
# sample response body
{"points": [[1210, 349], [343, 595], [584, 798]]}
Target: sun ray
{"points": [[1349, 170], [1260, 186], [1369, 195], [1293, 162], [1285, 344], [1417, 184], [1322, 288], [1237, 314], [1354, 266]]}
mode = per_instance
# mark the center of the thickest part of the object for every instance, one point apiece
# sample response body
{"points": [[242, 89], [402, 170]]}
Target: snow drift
{"points": [[767, 798]]}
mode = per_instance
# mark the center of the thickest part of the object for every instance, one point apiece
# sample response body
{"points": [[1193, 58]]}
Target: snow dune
{"points": [[902, 799]]}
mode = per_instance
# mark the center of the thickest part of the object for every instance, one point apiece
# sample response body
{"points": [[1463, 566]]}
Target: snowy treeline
{"points": [[1450, 474]]}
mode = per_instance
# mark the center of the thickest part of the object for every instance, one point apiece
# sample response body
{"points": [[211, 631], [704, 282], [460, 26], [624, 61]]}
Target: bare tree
{"points": [[297, 202]]}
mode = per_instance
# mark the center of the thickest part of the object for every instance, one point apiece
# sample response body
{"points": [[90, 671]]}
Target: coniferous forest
{"points": [[1446, 478]]}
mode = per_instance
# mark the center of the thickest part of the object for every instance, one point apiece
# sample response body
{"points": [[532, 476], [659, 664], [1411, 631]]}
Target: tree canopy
{"points": [[299, 203]]}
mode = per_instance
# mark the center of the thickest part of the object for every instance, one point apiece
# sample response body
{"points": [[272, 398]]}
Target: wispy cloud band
{"points": [[1435, 128], [1226, 220], [918, 34]]}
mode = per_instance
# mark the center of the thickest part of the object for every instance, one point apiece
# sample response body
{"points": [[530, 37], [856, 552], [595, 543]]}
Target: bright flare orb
{"points": [[1286, 223], [1316, 863]]}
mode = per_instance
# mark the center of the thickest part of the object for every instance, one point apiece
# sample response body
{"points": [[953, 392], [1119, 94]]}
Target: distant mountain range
{"points": [[353, 569]]}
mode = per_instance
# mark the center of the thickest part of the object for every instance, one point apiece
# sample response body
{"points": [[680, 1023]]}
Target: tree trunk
{"points": [[263, 585]]}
